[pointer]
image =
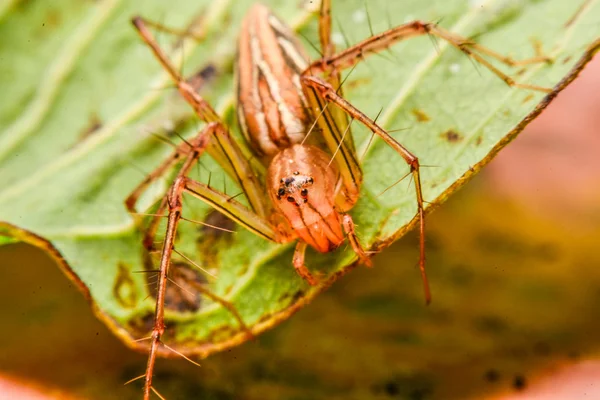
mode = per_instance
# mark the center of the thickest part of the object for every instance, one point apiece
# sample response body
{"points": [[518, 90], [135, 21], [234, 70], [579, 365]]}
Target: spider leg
{"points": [[328, 94], [227, 152], [173, 201], [327, 47], [363, 256], [220, 201], [299, 265], [376, 43]]}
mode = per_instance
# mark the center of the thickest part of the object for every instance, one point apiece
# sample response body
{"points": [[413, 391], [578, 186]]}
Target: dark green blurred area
{"points": [[514, 294]]}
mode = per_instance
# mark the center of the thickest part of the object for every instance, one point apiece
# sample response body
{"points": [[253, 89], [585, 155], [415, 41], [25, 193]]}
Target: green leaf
{"points": [[75, 139]]}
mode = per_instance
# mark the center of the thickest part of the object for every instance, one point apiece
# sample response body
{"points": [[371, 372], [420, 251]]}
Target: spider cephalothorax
{"points": [[303, 181]]}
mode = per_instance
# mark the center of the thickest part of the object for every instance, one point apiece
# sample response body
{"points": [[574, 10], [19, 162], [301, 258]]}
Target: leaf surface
{"points": [[76, 139]]}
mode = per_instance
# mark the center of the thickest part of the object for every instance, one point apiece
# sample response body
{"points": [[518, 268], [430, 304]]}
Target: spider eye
{"points": [[304, 192], [281, 192], [291, 199]]}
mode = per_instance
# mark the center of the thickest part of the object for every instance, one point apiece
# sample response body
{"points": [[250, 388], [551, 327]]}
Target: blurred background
{"points": [[515, 275]]}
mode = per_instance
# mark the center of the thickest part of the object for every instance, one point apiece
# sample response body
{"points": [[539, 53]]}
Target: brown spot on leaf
{"points": [[264, 318], [527, 98], [221, 333], [212, 240], [452, 136], [537, 46], [218, 220], [289, 298], [53, 19], [142, 325], [566, 59], [297, 296], [229, 288], [182, 293], [124, 289], [478, 141], [420, 115], [94, 124]]}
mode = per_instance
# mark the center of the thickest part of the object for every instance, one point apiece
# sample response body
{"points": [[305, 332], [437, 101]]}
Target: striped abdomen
{"points": [[271, 106]]}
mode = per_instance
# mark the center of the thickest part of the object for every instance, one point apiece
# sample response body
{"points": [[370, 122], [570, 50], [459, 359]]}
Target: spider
{"points": [[296, 123]]}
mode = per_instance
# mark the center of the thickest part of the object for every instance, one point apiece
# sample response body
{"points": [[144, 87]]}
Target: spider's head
{"points": [[294, 188], [301, 183]]}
